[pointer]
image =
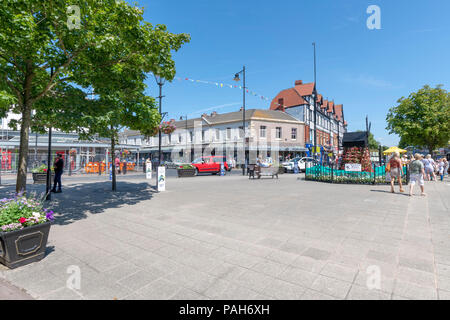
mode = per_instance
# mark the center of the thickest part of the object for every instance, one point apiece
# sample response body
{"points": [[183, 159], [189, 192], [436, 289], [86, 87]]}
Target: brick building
{"points": [[299, 103]]}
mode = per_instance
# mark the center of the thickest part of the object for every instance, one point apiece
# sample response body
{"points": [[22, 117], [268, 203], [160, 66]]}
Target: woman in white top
{"points": [[429, 167]]}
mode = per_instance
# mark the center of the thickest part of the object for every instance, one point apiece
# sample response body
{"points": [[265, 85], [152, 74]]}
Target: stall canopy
{"points": [[394, 149], [355, 139]]}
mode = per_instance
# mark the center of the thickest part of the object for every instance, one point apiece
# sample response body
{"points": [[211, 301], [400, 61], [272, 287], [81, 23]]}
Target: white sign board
{"points": [[353, 167], [161, 178], [148, 170]]}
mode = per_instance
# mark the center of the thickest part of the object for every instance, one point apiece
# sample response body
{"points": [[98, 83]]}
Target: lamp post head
{"points": [[159, 79], [236, 77]]}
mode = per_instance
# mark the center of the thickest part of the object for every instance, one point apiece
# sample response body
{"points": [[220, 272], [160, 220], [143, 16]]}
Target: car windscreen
{"points": [[199, 160]]}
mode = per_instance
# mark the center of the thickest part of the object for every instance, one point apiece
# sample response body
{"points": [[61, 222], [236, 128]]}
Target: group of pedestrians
{"points": [[435, 167], [420, 169]]}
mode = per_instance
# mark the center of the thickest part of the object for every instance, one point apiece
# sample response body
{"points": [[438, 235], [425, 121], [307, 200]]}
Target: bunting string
{"points": [[224, 85]]}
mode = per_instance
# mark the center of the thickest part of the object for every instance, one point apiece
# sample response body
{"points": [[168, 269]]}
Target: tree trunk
{"points": [[113, 163], [27, 104], [21, 182]]}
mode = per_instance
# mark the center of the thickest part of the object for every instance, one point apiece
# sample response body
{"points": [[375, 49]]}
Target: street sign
{"points": [[148, 169], [161, 178], [222, 169], [353, 167], [110, 171]]}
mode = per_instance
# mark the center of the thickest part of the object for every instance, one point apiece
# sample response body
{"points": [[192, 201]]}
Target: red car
{"points": [[210, 164]]}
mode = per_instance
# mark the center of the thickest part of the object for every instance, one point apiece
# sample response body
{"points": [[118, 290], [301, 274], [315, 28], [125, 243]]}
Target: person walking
{"points": [[58, 167], [395, 168], [124, 168], [441, 168], [429, 168], [417, 172], [446, 166]]}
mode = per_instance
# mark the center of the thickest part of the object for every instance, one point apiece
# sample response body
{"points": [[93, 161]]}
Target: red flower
{"points": [[22, 220]]}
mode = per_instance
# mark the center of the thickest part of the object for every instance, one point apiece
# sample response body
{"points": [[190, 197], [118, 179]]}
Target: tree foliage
{"points": [[51, 59], [422, 119]]}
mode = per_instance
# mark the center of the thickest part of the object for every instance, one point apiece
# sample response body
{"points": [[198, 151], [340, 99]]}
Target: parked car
{"points": [[172, 165], [210, 164], [289, 165]]}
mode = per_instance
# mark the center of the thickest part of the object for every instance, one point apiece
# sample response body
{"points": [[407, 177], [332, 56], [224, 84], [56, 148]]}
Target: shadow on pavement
{"points": [[397, 193], [77, 200]]}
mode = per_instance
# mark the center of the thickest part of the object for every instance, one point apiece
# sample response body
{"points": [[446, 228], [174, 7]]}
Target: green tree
{"points": [[49, 49], [117, 110], [422, 119]]}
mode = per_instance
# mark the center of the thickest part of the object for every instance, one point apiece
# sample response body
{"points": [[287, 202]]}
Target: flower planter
{"points": [[39, 178], [21, 247], [186, 173]]}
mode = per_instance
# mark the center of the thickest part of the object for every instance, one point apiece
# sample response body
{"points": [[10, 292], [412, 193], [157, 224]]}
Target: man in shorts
{"points": [[417, 172]]}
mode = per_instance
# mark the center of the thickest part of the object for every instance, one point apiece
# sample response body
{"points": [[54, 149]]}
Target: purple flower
{"points": [[49, 215]]}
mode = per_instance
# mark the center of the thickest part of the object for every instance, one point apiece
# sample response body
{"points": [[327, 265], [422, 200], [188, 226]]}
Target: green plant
{"points": [[21, 211], [42, 169], [186, 167]]}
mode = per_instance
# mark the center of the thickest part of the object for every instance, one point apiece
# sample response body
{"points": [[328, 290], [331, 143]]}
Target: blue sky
{"points": [[365, 70]]}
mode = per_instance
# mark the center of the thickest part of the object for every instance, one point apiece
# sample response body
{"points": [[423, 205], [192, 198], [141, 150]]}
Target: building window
{"points": [[203, 135], [278, 133], [179, 138], [228, 133], [294, 134], [217, 134], [191, 136], [169, 137], [281, 102], [262, 132]]}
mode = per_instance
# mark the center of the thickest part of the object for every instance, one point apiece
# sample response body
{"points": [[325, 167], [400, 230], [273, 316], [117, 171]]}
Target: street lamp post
{"points": [[49, 159], [49, 168], [185, 118], [315, 101], [160, 82], [236, 78]]}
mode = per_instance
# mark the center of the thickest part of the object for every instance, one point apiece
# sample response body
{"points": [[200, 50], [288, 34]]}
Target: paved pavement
{"points": [[228, 237], [10, 179]]}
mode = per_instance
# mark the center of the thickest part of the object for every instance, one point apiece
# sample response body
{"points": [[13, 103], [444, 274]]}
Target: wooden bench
{"points": [[266, 172]]}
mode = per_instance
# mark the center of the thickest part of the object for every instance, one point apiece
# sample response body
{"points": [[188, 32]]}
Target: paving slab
{"points": [[214, 237]]}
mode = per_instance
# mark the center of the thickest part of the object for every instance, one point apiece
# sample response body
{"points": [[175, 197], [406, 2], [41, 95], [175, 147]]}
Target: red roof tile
{"points": [[339, 112], [290, 98], [305, 89], [330, 107]]}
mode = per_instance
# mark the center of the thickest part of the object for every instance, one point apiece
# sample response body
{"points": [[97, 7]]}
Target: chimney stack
{"points": [[204, 115], [241, 109], [298, 82], [213, 114]]}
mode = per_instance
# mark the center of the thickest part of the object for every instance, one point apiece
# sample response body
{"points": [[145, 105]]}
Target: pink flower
{"points": [[22, 220]]}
